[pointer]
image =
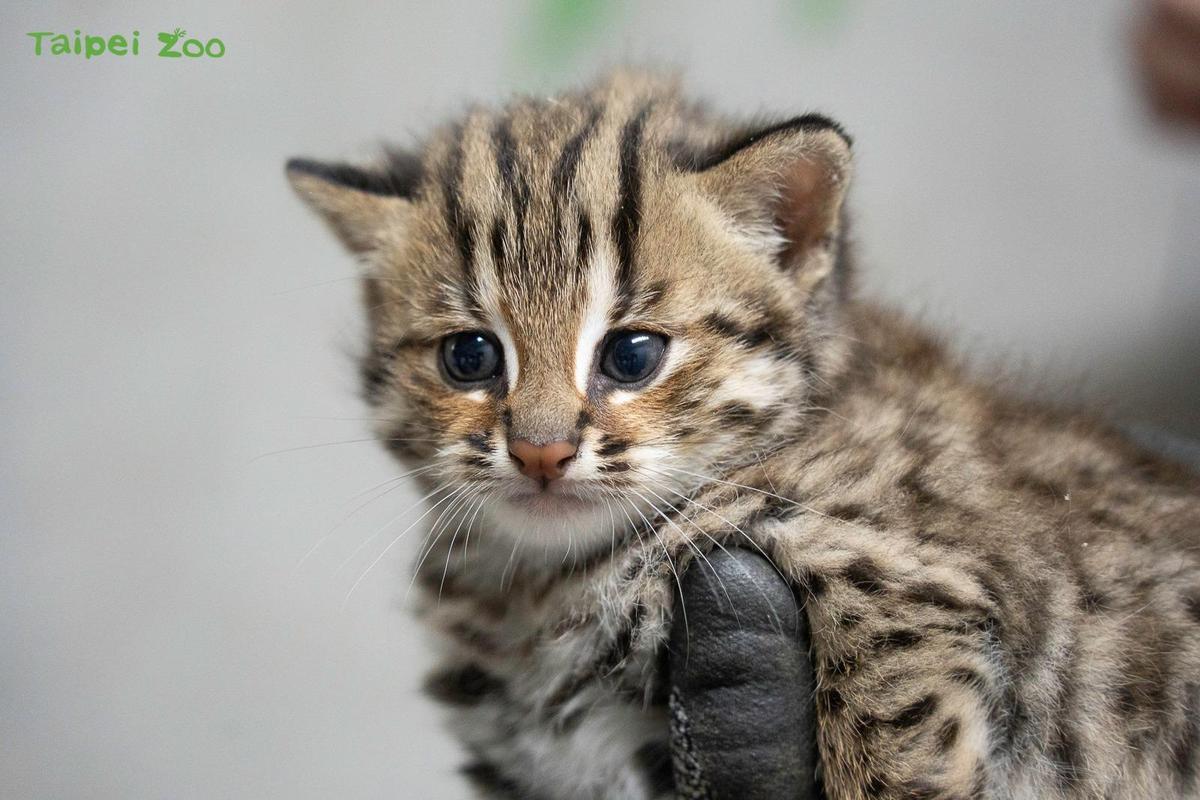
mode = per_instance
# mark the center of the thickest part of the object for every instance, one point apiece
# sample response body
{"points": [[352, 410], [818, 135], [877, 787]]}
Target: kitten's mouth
{"points": [[551, 501]]}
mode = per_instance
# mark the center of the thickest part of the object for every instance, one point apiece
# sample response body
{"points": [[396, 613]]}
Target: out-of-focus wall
{"points": [[170, 317]]}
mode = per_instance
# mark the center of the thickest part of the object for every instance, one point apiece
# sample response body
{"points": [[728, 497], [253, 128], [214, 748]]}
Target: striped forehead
{"points": [[532, 192], [543, 203]]}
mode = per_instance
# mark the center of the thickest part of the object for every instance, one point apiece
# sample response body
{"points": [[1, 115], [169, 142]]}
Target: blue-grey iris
{"points": [[471, 357], [632, 356]]}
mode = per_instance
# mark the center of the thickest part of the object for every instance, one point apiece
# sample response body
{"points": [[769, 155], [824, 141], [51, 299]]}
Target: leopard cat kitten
{"points": [[615, 331]]}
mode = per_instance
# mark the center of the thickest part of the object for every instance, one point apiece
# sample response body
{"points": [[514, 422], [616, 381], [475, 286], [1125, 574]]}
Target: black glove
{"points": [[743, 720]]}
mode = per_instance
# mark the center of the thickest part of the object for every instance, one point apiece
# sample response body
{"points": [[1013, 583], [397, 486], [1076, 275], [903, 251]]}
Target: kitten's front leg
{"points": [[906, 661]]}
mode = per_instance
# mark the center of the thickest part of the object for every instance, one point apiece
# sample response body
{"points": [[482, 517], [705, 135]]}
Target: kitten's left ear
{"points": [[788, 181], [364, 207]]}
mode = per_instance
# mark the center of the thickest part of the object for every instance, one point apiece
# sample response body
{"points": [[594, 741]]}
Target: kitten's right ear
{"points": [[362, 206]]}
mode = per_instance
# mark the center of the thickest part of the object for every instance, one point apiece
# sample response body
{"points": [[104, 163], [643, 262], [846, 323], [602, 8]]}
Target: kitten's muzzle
{"points": [[543, 463]]}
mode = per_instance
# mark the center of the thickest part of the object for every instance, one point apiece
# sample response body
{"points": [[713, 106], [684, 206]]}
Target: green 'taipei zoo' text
{"points": [[172, 45]]}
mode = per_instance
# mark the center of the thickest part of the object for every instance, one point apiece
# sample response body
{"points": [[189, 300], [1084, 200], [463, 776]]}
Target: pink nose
{"points": [[543, 463]]}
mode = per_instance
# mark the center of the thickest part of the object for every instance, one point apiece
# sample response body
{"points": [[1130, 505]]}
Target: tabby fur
{"points": [[1004, 598]]}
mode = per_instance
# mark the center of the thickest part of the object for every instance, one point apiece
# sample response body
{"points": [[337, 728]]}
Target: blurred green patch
{"points": [[555, 31], [816, 15], [551, 34]]}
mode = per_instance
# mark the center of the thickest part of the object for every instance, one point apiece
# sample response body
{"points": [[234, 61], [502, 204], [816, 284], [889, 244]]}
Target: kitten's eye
{"points": [[471, 357], [631, 356]]}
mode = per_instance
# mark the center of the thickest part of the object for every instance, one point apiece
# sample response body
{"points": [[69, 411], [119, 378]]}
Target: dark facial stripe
{"points": [[568, 160], [498, 234], [460, 225], [506, 151], [512, 180], [562, 181], [610, 447], [650, 297], [752, 336], [478, 442], [584, 250], [627, 218], [478, 462]]}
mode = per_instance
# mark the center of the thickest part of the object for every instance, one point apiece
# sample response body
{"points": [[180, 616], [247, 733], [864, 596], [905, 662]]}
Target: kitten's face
{"points": [[568, 330]]}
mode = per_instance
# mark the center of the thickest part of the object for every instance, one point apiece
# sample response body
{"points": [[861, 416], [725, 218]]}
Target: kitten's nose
{"points": [[545, 462]]}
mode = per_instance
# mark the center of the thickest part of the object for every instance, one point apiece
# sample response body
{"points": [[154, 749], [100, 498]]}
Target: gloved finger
{"points": [[743, 716]]}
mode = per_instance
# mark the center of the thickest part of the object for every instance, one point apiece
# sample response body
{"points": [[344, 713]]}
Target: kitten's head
{"points": [[581, 307]]}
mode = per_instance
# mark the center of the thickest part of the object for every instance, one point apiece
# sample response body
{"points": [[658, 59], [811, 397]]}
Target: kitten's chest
{"points": [[561, 689]]}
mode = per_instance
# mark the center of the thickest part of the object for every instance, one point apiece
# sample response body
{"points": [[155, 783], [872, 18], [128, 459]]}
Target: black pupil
{"points": [[633, 356], [471, 357]]}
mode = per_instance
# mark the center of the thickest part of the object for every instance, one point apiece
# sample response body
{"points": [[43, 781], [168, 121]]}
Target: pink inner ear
{"points": [[807, 208]]}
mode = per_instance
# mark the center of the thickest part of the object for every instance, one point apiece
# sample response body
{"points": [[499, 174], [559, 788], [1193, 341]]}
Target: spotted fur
{"points": [[1004, 599]]}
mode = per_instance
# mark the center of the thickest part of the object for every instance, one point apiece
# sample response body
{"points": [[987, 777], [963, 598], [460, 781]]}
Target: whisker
{"points": [[796, 503], [261, 456], [744, 535], [316, 285], [670, 563], [396, 479], [613, 537], [479, 507], [435, 532], [697, 550], [832, 413], [762, 467], [511, 559], [450, 549], [391, 545], [387, 525], [309, 418], [686, 539]]}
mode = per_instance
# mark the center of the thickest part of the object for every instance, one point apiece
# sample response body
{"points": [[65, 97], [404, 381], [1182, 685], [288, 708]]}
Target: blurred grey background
{"points": [[171, 318]]}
